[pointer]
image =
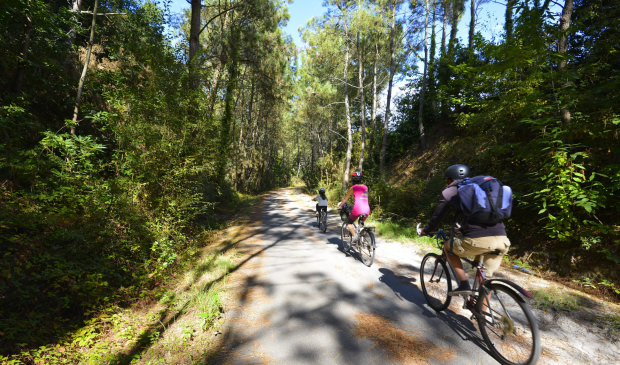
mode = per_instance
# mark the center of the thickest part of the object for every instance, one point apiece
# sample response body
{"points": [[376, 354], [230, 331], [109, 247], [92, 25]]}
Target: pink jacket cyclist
{"points": [[360, 194]]}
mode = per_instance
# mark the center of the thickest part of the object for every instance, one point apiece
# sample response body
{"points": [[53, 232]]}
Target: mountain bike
{"points": [[507, 325], [321, 220], [366, 245]]}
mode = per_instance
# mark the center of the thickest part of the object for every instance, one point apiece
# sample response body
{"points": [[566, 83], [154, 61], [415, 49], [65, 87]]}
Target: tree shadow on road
{"points": [[403, 287]]}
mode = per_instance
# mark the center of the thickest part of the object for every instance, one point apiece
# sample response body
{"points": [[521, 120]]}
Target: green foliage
{"points": [[97, 218], [569, 194]]}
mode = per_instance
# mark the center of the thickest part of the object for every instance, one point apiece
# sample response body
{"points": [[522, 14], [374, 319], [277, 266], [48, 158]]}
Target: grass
{"points": [[613, 323], [403, 232], [556, 299]]}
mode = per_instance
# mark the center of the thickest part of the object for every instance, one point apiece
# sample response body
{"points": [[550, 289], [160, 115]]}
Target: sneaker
{"points": [[354, 240], [463, 289]]}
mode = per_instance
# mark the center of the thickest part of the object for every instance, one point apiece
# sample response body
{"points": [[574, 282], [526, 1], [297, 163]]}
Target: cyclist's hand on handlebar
{"points": [[419, 230]]}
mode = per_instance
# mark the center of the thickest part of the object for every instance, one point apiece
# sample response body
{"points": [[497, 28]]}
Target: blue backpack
{"points": [[484, 200]]}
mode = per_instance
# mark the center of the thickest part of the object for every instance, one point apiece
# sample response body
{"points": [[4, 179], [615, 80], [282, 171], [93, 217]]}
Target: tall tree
{"points": [[194, 43], [508, 22], [386, 121], [343, 6], [565, 20], [423, 89], [457, 8], [360, 78], [472, 24], [78, 98], [445, 9]]}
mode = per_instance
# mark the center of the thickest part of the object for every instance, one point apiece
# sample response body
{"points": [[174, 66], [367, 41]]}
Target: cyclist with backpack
{"points": [[481, 203], [321, 201], [360, 194]]}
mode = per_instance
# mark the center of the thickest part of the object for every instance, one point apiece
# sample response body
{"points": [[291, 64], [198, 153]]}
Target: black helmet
{"points": [[456, 172], [322, 191], [356, 176]]}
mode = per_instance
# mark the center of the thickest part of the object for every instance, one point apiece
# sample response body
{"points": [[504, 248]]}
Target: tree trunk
{"points": [[360, 76], [194, 43], [75, 11], [229, 106], [18, 84], [472, 25], [508, 23], [567, 12], [389, 93], [345, 181], [454, 22], [431, 61], [444, 27], [215, 79], [78, 98], [373, 112], [433, 41], [423, 91]]}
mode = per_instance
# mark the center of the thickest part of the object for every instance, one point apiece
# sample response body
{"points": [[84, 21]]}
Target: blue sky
{"points": [[490, 18], [300, 12], [490, 21]]}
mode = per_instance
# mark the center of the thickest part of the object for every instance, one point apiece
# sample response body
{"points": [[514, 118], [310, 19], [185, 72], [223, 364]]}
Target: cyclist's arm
{"points": [[346, 197], [448, 199]]}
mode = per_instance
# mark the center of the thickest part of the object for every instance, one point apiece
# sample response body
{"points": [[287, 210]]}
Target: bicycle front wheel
{"points": [[508, 326], [366, 247], [436, 282], [345, 238]]}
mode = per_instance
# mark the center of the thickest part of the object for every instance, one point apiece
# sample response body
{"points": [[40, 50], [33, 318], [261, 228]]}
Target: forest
{"points": [[129, 133]]}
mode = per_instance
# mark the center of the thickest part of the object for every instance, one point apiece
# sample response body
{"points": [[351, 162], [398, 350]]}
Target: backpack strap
{"points": [[452, 233], [497, 204]]}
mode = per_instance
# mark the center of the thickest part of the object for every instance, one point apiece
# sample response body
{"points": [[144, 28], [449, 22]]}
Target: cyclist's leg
{"points": [[492, 262], [455, 261], [351, 227]]}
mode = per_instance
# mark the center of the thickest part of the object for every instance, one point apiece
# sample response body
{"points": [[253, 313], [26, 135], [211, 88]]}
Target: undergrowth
{"points": [[182, 305]]}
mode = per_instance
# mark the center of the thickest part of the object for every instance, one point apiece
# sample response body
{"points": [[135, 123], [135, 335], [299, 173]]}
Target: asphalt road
{"points": [[303, 301]]}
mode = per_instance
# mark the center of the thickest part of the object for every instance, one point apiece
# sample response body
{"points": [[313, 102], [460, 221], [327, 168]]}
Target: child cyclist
{"points": [[321, 201], [360, 194]]}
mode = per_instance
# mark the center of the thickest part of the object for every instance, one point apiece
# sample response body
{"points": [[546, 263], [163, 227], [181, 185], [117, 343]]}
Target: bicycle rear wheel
{"points": [[508, 326], [436, 282], [366, 247], [345, 238], [323, 221]]}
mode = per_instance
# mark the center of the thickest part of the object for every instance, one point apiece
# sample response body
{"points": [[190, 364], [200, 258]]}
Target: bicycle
{"points": [[366, 245], [507, 325], [321, 220]]}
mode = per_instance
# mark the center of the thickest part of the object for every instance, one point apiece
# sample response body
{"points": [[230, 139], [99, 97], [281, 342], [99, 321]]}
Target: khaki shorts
{"points": [[468, 247]]}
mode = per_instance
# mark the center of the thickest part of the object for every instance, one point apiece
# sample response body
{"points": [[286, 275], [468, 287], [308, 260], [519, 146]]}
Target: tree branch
{"points": [[217, 16], [90, 12]]}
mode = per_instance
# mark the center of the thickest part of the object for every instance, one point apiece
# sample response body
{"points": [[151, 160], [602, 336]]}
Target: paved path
{"points": [[302, 301]]}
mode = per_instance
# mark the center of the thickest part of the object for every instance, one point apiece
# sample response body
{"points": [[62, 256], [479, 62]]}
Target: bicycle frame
{"points": [[480, 279], [510, 285], [506, 324], [359, 230]]}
